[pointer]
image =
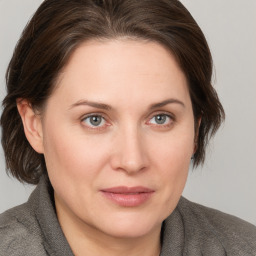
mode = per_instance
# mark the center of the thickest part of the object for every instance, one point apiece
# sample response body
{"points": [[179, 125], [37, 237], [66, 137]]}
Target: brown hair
{"points": [[59, 26]]}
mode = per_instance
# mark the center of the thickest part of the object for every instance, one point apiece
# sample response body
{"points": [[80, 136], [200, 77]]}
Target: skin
{"points": [[128, 147]]}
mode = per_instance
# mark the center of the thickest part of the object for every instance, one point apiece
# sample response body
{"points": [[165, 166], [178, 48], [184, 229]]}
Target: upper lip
{"points": [[127, 190]]}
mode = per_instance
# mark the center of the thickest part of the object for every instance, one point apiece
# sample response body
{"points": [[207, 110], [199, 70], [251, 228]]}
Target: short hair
{"points": [[58, 27]]}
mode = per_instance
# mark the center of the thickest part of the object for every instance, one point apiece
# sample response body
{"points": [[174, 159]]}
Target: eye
{"points": [[161, 119], [94, 121]]}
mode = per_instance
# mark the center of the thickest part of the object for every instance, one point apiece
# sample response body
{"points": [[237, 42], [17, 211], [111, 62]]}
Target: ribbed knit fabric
{"points": [[191, 230]]}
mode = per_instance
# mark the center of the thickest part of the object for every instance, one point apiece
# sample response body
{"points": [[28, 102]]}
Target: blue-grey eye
{"points": [[94, 120], [160, 119]]}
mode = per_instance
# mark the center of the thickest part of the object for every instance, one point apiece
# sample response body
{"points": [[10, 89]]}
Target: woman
{"points": [[107, 104]]}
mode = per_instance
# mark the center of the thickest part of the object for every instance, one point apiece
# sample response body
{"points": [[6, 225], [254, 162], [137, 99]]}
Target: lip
{"points": [[128, 196]]}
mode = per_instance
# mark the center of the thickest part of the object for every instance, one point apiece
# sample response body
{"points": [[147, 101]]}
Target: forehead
{"points": [[122, 68], [126, 54]]}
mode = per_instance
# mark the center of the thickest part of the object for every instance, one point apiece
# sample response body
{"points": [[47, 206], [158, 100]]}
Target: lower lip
{"points": [[128, 200]]}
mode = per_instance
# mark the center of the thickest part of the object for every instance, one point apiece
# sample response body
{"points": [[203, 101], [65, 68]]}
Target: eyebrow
{"points": [[108, 107], [166, 102], [91, 104]]}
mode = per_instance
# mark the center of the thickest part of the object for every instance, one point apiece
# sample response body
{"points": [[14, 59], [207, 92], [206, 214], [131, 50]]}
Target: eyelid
{"points": [[95, 128], [168, 114], [161, 112]]}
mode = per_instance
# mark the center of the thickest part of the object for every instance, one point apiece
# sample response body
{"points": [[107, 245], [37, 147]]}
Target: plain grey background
{"points": [[227, 181]]}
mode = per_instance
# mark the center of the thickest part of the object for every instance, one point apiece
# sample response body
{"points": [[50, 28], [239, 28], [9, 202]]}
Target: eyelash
{"points": [[92, 127], [167, 116]]}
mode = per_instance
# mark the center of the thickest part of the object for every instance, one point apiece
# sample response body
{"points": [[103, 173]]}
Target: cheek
{"points": [[174, 168], [174, 150], [73, 154], [172, 158]]}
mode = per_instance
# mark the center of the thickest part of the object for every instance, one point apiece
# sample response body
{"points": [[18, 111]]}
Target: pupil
{"points": [[160, 119], [95, 120]]}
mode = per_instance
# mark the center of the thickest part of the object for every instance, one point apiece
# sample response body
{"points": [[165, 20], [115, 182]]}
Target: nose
{"points": [[130, 152]]}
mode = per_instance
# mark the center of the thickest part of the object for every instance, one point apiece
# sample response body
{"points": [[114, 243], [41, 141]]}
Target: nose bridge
{"points": [[130, 150]]}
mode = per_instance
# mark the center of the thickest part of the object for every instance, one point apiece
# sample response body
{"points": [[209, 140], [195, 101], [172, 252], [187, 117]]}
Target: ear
{"points": [[198, 123], [32, 124]]}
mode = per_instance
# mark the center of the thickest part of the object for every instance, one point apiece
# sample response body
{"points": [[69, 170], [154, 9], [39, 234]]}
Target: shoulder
{"points": [[220, 221], [235, 235], [19, 230]]}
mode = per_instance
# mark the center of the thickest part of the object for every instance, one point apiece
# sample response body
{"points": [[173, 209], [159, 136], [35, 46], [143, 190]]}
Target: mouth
{"points": [[128, 196]]}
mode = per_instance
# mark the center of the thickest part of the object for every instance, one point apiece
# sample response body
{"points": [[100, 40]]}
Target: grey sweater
{"points": [[192, 229]]}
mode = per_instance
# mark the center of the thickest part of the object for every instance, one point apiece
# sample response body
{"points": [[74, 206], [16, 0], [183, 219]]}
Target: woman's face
{"points": [[118, 136]]}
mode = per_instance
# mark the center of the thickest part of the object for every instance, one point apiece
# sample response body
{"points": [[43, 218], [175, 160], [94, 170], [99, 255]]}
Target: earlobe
{"points": [[32, 125]]}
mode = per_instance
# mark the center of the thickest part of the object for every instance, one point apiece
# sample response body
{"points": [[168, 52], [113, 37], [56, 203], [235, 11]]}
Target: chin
{"points": [[130, 226], [128, 232]]}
